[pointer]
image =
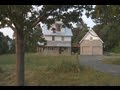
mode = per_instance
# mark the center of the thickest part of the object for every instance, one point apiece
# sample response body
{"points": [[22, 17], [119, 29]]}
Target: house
{"points": [[58, 39], [91, 44]]}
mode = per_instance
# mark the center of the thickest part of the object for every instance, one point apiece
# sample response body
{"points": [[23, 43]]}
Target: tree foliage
{"points": [[107, 19], [31, 44], [78, 34]]}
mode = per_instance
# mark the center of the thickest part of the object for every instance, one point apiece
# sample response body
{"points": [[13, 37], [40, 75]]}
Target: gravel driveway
{"points": [[96, 63]]}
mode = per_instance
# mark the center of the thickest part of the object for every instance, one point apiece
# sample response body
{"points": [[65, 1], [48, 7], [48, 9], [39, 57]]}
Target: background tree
{"points": [[78, 34], [31, 40], [107, 19], [22, 19], [3, 44]]}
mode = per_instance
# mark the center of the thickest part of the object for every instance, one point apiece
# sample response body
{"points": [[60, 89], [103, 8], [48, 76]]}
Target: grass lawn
{"points": [[112, 60], [53, 70]]}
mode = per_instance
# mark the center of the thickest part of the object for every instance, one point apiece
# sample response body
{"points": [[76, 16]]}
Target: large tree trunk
{"points": [[19, 58]]}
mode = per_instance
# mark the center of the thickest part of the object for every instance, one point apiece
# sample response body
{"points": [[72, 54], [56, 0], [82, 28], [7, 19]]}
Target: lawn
{"points": [[112, 60], [54, 70]]}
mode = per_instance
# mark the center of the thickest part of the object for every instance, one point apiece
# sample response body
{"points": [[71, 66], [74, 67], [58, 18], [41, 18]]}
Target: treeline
{"points": [[107, 18], [110, 34]]}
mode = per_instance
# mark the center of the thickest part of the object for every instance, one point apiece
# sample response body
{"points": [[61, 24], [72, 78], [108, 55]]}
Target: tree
{"points": [[107, 18], [31, 44], [106, 14], [23, 19], [3, 44], [78, 34]]}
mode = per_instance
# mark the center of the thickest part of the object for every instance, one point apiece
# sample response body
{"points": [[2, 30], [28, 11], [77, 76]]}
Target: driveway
{"points": [[96, 63]]}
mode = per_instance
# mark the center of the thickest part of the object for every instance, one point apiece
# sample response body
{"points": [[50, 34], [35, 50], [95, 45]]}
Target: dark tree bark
{"points": [[19, 58]]}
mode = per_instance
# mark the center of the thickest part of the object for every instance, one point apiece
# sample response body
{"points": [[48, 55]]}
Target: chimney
{"points": [[54, 30], [58, 25]]}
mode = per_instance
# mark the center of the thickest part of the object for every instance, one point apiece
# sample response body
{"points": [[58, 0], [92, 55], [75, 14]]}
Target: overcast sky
{"points": [[9, 32]]}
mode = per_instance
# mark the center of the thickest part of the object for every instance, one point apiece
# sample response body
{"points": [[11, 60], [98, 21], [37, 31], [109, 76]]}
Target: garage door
{"points": [[86, 50], [97, 50]]}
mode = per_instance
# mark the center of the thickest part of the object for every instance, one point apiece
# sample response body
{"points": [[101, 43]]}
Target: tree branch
{"points": [[38, 19], [10, 25], [41, 17]]}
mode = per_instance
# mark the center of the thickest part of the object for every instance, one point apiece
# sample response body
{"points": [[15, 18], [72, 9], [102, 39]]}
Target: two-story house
{"points": [[58, 39]]}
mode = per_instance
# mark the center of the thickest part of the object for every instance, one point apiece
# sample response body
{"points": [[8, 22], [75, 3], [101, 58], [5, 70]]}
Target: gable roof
{"points": [[91, 32], [64, 32]]}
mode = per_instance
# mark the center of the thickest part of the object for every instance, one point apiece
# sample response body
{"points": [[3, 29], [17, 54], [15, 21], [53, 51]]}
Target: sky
{"points": [[9, 31]]}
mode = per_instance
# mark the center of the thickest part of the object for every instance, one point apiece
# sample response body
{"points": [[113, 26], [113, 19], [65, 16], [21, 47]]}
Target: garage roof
{"points": [[93, 34]]}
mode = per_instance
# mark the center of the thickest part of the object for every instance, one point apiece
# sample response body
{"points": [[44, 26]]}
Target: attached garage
{"points": [[91, 44]]}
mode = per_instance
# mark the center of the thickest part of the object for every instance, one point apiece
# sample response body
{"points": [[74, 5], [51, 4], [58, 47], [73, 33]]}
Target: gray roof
{"points": [[59, 43], [64, 32]]}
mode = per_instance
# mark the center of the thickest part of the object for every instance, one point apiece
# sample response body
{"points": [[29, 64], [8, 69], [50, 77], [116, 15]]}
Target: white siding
{"points": [[67, 38], [48, 38], [57, 38], [94, 37]]}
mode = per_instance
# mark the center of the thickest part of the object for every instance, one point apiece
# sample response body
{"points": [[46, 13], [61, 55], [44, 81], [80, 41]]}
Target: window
{"points": [[62, 38], [53, 38], [91, 38], [54, 30]]}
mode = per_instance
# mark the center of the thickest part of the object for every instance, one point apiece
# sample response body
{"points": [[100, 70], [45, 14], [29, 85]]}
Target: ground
{"points": [[96, 63], [41, 70], [115, 60]]}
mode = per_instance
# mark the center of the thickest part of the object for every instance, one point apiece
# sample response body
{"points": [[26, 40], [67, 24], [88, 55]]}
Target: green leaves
{"points": [[18, 14], [107, 18], [106, 13]]}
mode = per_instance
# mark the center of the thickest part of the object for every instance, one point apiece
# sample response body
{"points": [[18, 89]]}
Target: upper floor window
{"points": [[53, 38], [91, 38]]}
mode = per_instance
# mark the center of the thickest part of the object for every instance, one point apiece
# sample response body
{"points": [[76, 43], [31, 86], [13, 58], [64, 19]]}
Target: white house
{"points": [[58, 39]]}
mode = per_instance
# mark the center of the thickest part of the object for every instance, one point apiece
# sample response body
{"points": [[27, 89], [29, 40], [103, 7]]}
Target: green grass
{"points": [[112, 60], [53, 70]]}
